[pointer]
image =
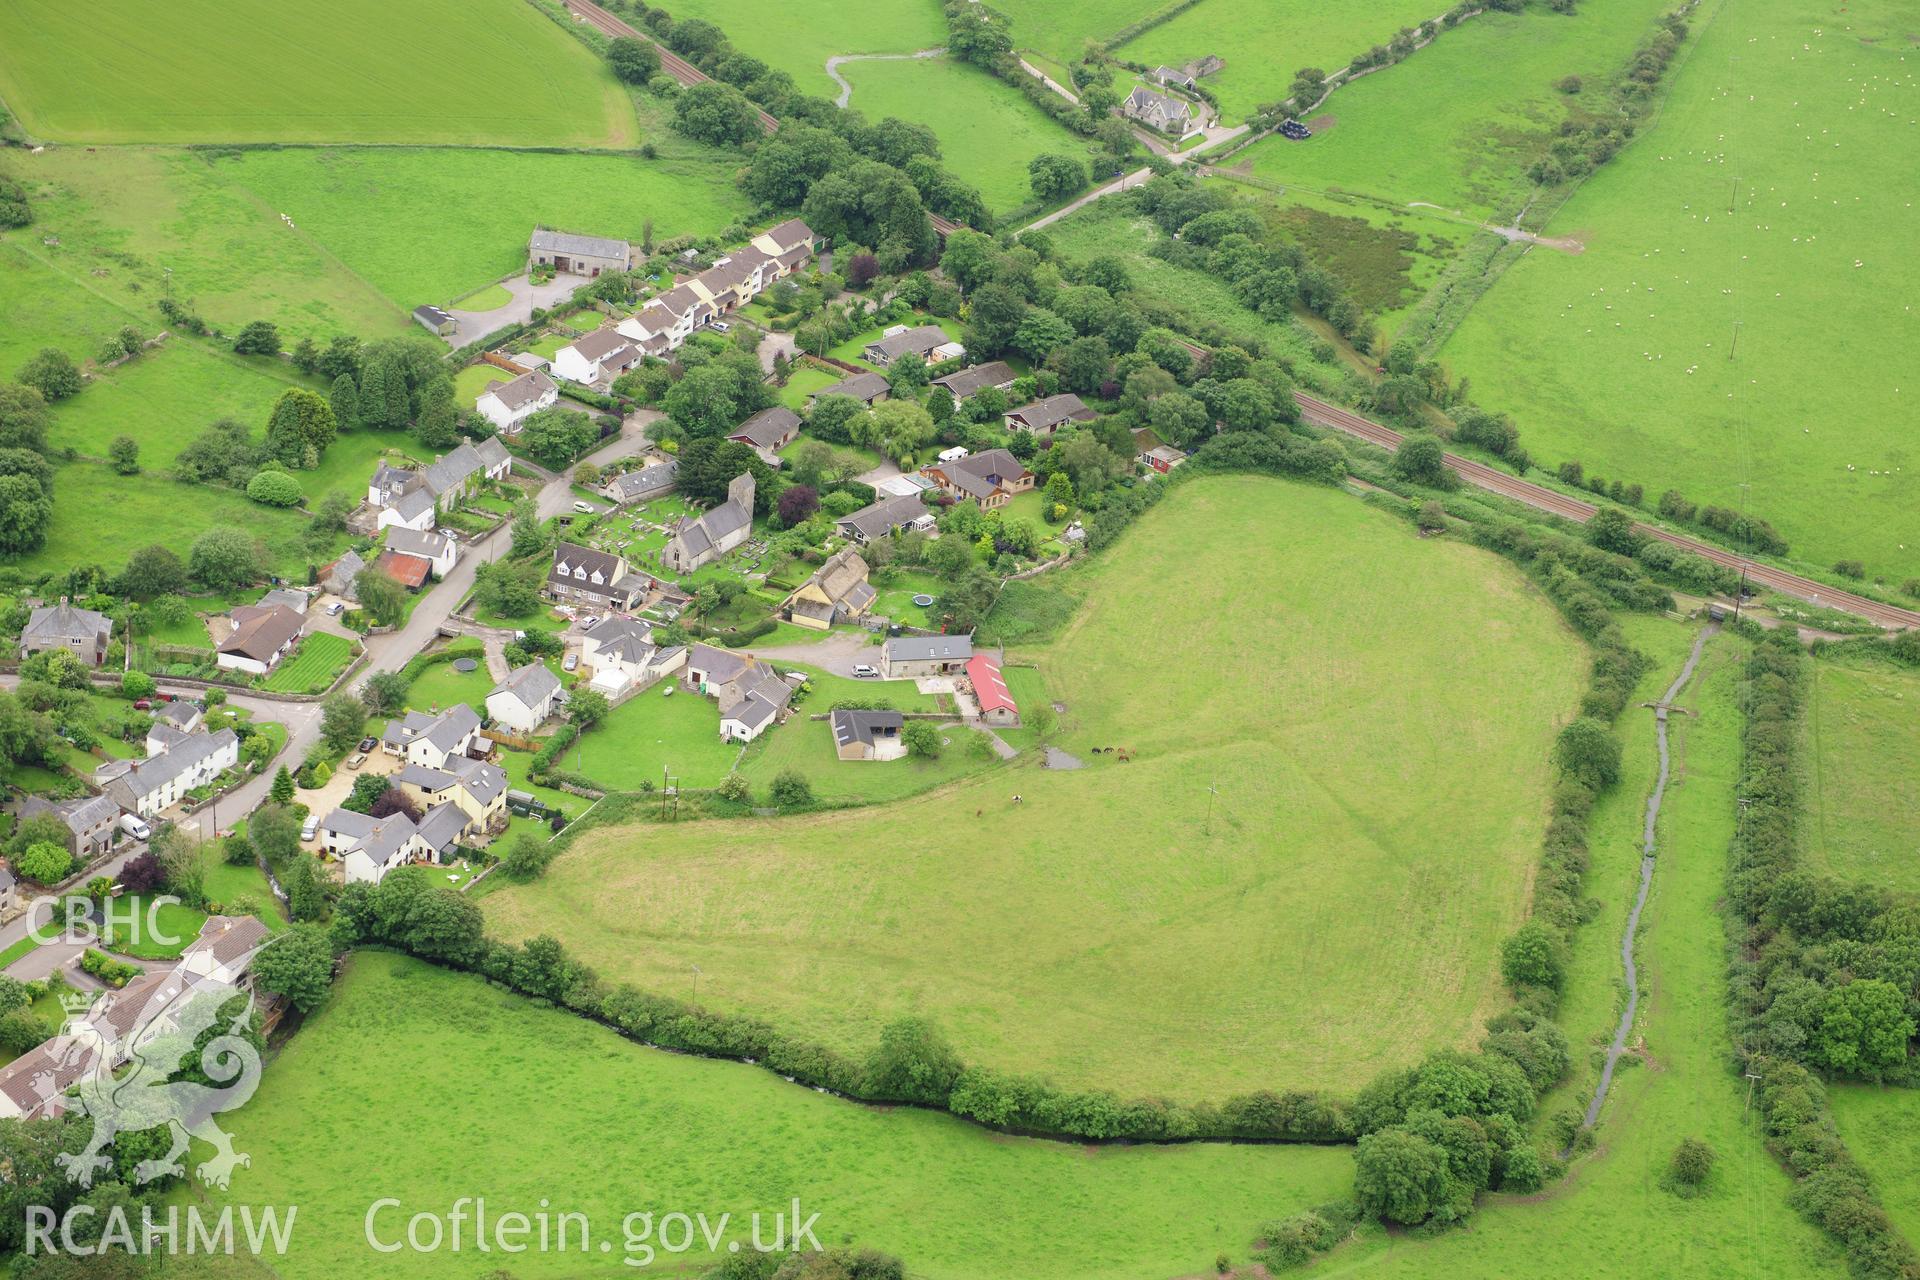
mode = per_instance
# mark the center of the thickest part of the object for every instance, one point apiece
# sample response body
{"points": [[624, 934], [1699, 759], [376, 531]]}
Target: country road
{"points": [[1541, 498], [670, 62]]}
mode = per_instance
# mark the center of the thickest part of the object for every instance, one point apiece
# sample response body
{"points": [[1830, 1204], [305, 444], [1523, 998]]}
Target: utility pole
{"points": [[1751, 1079], [1740, 597], [696, 984]]}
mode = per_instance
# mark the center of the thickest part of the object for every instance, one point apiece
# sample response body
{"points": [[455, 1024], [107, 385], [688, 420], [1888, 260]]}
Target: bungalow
{"points": [[868, 388], [867, 735], [574, 255], [90, 821], [437, 321], [507, 404], [145, 787], [917, 657], [769, 431], [702, 539], [963, 383], [337, 578], [988, 479], [649, 482], [838, 591], [601, 356], [261, 638], [899, 340], [81, 632], [997, 707], [526, 698], [885, 517], [437, 549], [583, 575], [224, 950], [1045, 416], [432, 740], [1159, 111], [473, 788], [1163, 458]]}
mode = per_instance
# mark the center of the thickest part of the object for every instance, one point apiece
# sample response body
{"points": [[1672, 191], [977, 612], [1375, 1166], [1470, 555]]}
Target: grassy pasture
{"points": [[606, 1127], [1862, 745], [1759, 205], [987, 130], [654, 731], [1879, 1124], [1264, 42], [166, 397], [768, 30], [1108, 930], [447, 71], [1457, 123], [428, 225]]}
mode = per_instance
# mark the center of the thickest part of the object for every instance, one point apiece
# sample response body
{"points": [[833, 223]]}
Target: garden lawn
{"points": [[440, 686], [166, 927], [1862, 746], [988, 130], [806, 746], [446, 71], [851, 348], [910, 1182], [897, 590], [241, 888], [767, 30], [1878, 1125], [490, 298], [803, 382], [313, 666], [364, 206], [678, 732], [1265, 42], [1758, 205], [1080, 934]]}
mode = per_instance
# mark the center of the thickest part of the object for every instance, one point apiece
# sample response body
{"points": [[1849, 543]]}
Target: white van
{"points": [[311, 827], [135, 826]]}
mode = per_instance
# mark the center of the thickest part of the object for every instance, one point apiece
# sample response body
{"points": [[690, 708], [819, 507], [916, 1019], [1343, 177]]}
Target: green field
{"points": [[170, 395], [988, 131], [1061, 29], [450, 71], [631, 1129], [371, 208], [320, 657], [767, 30], [1206, 952], [1457, 123], [655, 732], [1264, 42], [1878, 1125], [1862, 748], [1632, 364]]}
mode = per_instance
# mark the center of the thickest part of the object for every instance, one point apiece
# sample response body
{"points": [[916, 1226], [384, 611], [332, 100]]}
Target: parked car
{"points": [[570, 663], [585, 508], [720, 326], [864, 672], [357, 759], [311, 827], [135, 827], [335, 609], [368, 744], [143, 704]]}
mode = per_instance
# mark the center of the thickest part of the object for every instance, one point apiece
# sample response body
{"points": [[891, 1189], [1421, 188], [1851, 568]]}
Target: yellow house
{"points": [[837, 592], [477, 789]]}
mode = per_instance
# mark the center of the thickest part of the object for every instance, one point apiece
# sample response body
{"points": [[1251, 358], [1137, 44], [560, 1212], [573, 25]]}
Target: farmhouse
{"points": [[261, 638], [474, 788], [507, 404], [867, 735], [868, 388], [917, 657], [1044, 417], [574, 255], [769, 431], [600, 357], [438, 550], [414, 499], [585, 575], [923, 341], [432, 740], [145, 787], [89, 821], [963, 383], [751, 696], [990, 691], [884, 517], [81, 632], [988, 479], [436, 321], [525, 699], [1159, 111], [652, 481], [838, 591], [705, 538]]}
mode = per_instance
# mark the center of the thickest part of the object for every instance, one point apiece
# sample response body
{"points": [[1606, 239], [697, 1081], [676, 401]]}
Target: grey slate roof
{"points": [[444, 731], [624, 639], [918, 341], [451, 470], [980, 474], [530, 685], [884, 516], [565, 242], [769, 428], [413, 504], [524, 390], [721, 665], [341, 573], [976, 377], [645, 482], [491, 453], [1047, 413], [859, 726], [62, 624], [928, 648], [227, 939], [144, 777], [179, 713], [81, 814], [426, 544], [861, 386], [601, 343]]}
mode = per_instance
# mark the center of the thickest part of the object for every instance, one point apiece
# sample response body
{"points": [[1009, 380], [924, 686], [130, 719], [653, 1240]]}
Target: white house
{"points": [[525, 699], [437, 549], [261, 637], [419, 738], [224, 950], [145, 787], [601, 356], [622, 654], [368, 848], [507, 404]]}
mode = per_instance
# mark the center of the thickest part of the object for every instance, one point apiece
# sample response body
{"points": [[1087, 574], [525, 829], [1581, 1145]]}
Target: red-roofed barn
{"points": [[990, 691]]}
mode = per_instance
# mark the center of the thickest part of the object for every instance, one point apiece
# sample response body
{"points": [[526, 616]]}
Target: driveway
{"points": [[772, 346], [527, 296], [836, 654]]}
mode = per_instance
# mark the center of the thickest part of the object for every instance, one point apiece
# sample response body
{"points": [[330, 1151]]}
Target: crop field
{"points": [[1457, 124], [766, 29], [1878, 1125], [449, 71], [1279, 702], [1727, 330], [667, 1132], [428, 225], [1863, 773], [1264, 42], [988, 131]]}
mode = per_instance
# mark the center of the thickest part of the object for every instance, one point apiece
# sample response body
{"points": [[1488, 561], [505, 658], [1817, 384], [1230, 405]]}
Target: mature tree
{"points": [[796, 503], [384, 599], [51, 372], [828, 418], [526, 857], [44, 862], [557, 436], [224, 558], [274, 489], [790, 789], [914, 1062], [24, 418], [1399, 1176], [260, 338], [26, 513], [994, 319], [587, 707], [1611, 529], [1041, 333], [862, 269], [634, 61], [341, 720], [384, 401], [969, 258], [1082, 364], [123, 452], [897, 428], [25, 462], [1308, 87], [435, 427], [707, 467], [715, 113], [298, 965], [1691, 1164], [1420, 459], [1534, 956], [344, 398], [282, 789], [301, 427], [1589, 753], [922, 739], [21, 1030], [1055, 177], [225, 453], [1864, 1028]]}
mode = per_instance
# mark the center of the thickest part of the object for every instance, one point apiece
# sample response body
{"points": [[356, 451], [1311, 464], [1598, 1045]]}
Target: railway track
{"points": [[1541, 498], [670, 62]]}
